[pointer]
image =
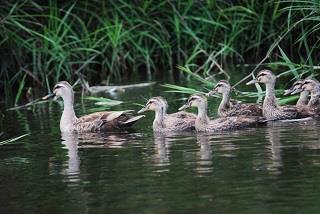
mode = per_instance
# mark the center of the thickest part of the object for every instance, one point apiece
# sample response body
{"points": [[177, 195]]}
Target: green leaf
{"points": [[13, 139]]}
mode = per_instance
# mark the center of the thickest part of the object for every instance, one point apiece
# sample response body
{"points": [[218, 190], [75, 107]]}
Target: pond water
{"points": [[269, 169]]}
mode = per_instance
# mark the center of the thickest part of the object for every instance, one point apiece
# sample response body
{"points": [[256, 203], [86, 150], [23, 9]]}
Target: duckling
{"points": [[313, 87], [95, 122], [163, 122], [227, 108], [304, 95], [270, 108], [204, 124]]}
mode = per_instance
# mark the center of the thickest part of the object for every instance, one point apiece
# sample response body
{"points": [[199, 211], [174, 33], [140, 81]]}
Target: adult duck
{"points": [[312, 86], [204, 124], [95, 122], [228, 108], [164, 122], [270, 108]]}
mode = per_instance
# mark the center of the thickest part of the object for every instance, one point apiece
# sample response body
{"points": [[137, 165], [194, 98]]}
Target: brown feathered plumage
{"points": [[204, 124], [228, 108], [163, 122], [96, 122], [270, 108]]}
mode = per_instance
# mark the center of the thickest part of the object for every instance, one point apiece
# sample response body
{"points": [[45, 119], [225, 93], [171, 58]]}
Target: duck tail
{"points": [[132, 120], [261, 120]]}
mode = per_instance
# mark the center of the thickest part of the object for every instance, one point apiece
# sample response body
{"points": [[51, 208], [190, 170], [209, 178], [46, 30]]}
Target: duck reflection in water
{"points": [[162, 149], [274, 148], [204, 156], [75, 141], [72, 169], [297, 133]]}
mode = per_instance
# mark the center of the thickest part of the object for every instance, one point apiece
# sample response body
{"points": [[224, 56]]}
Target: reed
{"points": [[43, 42]]}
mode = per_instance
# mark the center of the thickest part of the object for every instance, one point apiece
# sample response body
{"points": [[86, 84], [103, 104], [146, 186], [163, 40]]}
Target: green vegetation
{"points": [[12, 140], [46, 41]]}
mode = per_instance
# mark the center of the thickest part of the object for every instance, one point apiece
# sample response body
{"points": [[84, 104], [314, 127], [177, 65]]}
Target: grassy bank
{"points": [[42, 43]]}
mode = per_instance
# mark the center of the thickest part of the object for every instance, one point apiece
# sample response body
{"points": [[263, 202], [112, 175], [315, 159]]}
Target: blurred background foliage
{"points": [[116, 41]]}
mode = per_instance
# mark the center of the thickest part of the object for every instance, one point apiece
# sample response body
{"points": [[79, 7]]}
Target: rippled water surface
{"points": [[270, 169]]}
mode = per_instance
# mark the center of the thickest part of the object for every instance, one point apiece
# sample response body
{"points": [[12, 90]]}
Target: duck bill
{"points": [[142, 110], [296, 91], [49, 96], [288, 91], [184, 107], [254, 81], [210, 93]]}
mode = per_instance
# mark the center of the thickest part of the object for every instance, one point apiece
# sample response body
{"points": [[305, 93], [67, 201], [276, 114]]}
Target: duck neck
{"points": [[315, 98], [160, 114], [303, 99], [68, 115], [270, 98], [202, 113], [225, 102]]}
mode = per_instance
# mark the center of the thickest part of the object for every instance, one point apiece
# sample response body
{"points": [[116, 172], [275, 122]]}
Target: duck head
{"points": [[264, 76], [155, 104], [222, 87], [311, 85], [64, 90], [295, 88], [194, 100]]}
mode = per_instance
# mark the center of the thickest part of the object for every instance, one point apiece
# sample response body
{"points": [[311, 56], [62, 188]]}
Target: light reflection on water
{"points": [[270, 169], [72, 165]]}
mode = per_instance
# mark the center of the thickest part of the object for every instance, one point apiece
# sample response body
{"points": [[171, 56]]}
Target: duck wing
{"points": [[290, 112], [184, 115], [248, 109], [233, 123], [178, 124], [106, 120], [314, 108]]}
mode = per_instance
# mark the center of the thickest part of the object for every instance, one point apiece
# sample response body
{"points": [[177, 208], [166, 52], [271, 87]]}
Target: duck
{"points": [[204, 124], [312, 86], [270, 108], [303, 100], [228, 108], [176, 122], [95, 122]]}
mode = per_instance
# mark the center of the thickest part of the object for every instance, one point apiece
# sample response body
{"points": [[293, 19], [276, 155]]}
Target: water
{"points": [[270, 169]]}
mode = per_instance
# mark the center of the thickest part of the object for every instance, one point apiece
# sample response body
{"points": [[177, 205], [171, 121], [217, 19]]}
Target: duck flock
{"points": [[232, 115]]}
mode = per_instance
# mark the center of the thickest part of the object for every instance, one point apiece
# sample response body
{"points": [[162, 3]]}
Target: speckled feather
{"points": [[176, 122], [172, 123], [96, 122], [204, 124], [237, 109], [103, 121], [228, 123], [270, 108], [228, 108]]}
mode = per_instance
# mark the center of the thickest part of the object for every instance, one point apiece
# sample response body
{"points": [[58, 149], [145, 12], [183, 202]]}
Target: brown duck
{"points": [[228, 108], [270, 108], [96, 122], [164, 122], [302, 103], [312, 86], [204, 124]]}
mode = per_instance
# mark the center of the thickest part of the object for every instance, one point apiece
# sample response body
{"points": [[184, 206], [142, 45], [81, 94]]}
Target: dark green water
{"points": [[271, 169]]}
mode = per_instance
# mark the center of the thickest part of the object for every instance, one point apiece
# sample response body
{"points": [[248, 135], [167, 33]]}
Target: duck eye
{"points": [[261, 75], [58, 86], [219, 85], [305, 83]]}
